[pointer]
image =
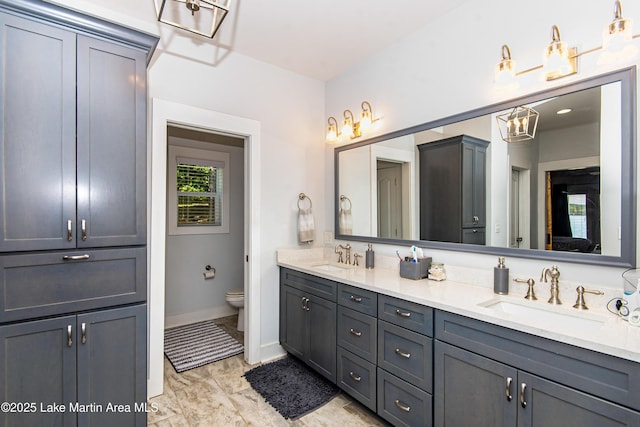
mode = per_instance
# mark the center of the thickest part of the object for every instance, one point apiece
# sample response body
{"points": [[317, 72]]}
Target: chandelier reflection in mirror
{"points": [[518, 125], [202, 17]]}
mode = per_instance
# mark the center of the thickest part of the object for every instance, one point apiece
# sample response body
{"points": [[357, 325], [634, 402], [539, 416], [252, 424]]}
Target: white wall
{"points": [[445, 69], [188, 297]]}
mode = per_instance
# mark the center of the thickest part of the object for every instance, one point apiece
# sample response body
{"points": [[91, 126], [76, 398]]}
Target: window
{"points": [[198, 191], [578, 214]]}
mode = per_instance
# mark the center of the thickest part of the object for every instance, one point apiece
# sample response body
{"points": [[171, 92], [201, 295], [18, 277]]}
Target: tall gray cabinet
{"points": [[72, 218], [453, 190]]}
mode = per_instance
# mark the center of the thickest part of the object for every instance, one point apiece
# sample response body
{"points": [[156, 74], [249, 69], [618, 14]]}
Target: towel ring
{"points": [[303, 196], [344, 198]]}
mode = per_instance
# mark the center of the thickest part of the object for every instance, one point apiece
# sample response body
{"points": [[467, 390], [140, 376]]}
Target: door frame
{"points": [[163, 114]]}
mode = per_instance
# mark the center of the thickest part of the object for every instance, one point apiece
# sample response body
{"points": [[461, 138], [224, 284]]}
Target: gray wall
{"points": [[189, 297]]}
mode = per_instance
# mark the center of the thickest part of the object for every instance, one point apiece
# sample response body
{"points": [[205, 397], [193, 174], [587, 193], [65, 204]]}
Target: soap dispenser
{"points": [[501, 278], [368, 260]]}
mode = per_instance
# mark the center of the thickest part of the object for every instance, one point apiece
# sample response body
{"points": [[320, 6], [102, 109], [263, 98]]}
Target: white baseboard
{"points": [[199, 316]]}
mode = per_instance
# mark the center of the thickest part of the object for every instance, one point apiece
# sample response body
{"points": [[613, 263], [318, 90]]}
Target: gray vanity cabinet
{"points": [[308, 320], [92, 358], [453, 173], [485, 375], [72, 137]]}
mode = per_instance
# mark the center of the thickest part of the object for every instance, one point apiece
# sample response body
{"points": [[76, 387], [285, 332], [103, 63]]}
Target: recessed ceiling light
{"points": [[564, 111]]}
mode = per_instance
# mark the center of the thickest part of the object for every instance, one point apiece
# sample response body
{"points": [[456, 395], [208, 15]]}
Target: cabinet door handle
{"points": [[475, 220], [305, 303], [403, 313], [302, 303], [523, 402], [354, 332], [75, 257], [69, 336], [402, 353], [83, 226], [355, 377], [508, 389], [69, 230], [84, 333], [355, 298], [402, 406]]}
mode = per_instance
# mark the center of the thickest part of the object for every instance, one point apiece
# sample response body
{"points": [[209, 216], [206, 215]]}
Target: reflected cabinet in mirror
{"points": [[550, 176]]}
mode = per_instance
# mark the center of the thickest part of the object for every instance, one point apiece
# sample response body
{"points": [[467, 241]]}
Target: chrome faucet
{"points": [[347, 254], [554, 273]]}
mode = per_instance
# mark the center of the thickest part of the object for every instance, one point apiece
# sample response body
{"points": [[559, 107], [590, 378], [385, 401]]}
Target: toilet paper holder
{"points": [[210, 272]]}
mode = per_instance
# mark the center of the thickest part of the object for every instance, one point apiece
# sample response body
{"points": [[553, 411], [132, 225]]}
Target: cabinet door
{"points": [[112, 366], [322, 336], [548, 404], [111, 144], [37, 135], [471, 390], [38, 366], [473, 186], [293, 321]]}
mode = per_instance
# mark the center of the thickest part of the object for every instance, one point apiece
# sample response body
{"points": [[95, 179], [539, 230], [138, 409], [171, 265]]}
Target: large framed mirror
{"points": [[564, 190]]}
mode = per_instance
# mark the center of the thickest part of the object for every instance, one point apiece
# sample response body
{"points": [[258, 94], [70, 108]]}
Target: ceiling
{"points": [[319, 39]]}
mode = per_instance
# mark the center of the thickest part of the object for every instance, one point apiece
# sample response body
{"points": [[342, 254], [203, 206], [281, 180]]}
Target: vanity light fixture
{"points": [[617, 37], [559, 59], [332, 129], [350, 128], [518, 125], [505, 77], [202, 17]]}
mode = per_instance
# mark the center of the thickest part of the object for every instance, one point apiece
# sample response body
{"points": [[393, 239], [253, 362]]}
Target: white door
{"points": [[389, 199]]}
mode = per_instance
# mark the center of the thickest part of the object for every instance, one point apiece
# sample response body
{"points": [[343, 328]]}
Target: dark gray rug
{"points": [[291, 387], [198, 344]]}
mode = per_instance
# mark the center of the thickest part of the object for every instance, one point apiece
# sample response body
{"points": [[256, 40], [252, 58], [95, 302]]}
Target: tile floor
{"points": [[218, 395]]}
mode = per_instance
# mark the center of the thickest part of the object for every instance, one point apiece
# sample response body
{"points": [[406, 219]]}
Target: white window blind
{"points": [[199, 190]]}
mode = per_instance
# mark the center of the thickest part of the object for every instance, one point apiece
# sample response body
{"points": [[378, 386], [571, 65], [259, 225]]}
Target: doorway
{"points": [[389, 177], [165, 114]]}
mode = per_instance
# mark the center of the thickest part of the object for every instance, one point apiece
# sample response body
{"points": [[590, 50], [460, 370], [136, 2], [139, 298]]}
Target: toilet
{"points": [[235, 298]]}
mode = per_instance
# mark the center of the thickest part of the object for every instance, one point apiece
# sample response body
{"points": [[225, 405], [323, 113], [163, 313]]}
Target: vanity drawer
{"points": [[357, 333], [406, 354], [358, 299], [314, 285], [402, 404], [44, 284], [357, 377], [409, 315]]}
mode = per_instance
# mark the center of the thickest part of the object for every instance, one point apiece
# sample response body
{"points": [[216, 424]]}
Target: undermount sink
{"points": [[329, 267], [552, 317]]}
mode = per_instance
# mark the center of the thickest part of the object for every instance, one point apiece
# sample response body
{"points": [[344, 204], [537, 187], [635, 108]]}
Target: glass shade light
{"points": [[348, 130], [505, 75], [202, 17], [332, 129], [616, 39], [518, 125], [559, 60], [366, 118]]}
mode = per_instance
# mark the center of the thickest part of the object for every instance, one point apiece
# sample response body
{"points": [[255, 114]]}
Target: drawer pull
{"points": [[69, 230], [69, 336], [355, 377], [402, 406], [84, 333], [403, 313], [355, 298], [75, 257], [523, 402], [354, 332], [508, 389], [402, 353]]}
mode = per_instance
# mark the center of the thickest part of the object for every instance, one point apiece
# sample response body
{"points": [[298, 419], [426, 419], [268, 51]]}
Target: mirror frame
{"points": [[627, 78]]}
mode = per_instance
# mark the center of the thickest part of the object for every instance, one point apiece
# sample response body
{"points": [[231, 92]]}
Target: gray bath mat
{"points": [[198, 344], [291, 387]]}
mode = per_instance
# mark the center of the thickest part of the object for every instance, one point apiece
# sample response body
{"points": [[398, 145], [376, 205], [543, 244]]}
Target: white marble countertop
{"points": [[595, 329]]}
